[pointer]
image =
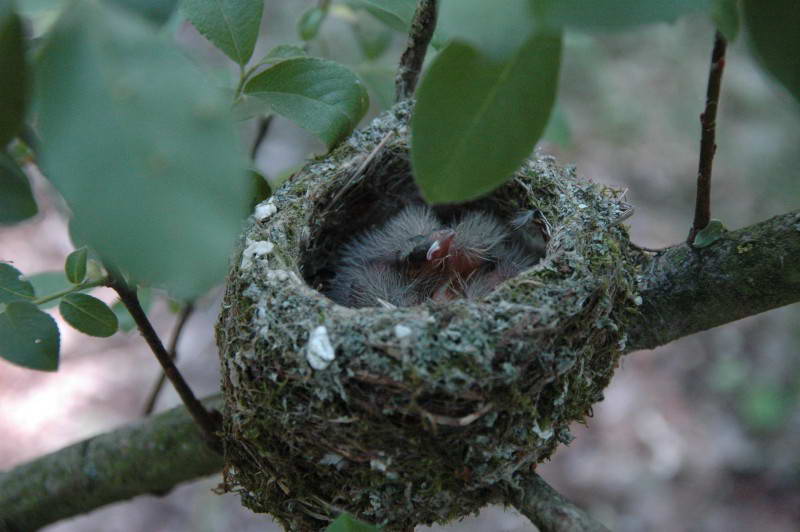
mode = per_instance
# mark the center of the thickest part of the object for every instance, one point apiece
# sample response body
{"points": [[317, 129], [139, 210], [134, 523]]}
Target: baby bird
{"points": [[414, 257]]}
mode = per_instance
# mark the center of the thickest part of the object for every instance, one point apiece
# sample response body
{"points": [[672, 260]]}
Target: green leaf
{"points": [[13, 285], [88, 314], [28, 336], [13, 88], [318, 95], [231, 25], [615, 14], [709, 234], [379, 80], [397, 14], [124, 318], [16, 198], [497, 33], [282, 52], [75, 265], [261, 189], [142, 148], [725, 14], [465, 145], [310, 21], [774, 35], [156, 11], [558, 130], [373, 40], [348, 523], [48, 283]]}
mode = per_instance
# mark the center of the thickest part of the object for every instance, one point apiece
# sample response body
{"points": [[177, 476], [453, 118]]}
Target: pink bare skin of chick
{"points": [[414, 258]]}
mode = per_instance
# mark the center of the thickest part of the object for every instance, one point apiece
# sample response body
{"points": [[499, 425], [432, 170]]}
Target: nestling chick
{"points": [[415, 257]]}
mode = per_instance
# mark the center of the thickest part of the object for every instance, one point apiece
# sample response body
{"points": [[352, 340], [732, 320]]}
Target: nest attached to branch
{"points": [[422, 414]]}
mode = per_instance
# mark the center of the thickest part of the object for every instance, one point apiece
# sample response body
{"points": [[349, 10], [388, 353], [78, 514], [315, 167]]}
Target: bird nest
{"points": [[418, 414]]}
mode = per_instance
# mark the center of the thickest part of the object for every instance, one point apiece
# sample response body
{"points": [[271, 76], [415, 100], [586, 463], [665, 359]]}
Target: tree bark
{"points": [[683, 291], [150, 456], [551, 512], [746, 272]]}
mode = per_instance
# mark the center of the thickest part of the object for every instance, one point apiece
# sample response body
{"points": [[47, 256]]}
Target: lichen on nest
{"points": [[421, 414]]}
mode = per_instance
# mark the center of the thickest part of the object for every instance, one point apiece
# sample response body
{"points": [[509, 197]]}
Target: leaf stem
{"points": [[708, 146], [70, 290]]}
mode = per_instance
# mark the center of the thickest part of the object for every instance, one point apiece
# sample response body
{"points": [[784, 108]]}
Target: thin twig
{"points": [[355, 176], [419, 36], [183, 317], [549, 510], [708, 121], [261, 133], [208, 421]]}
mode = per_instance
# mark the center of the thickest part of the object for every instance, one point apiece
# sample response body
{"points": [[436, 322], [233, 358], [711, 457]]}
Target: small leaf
{"points": [[261, 188], [156, 11], [48, 283], [318, 95], [709, 234], [13, 285], [464, 147], [773, 28], [373, 41], [725, 14], [231, 25], [310, 21], [142, 148], [28, 336], [16, 198], [614, 14], [397, 14], [348, 523], [283, 52], [13, 88], [75, 265], [88, 314], [124, 318], [558, 130]]}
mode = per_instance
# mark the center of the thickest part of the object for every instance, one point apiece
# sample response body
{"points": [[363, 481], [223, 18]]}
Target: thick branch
{"points": [[708, 146], [149, 456], [746, 272], [419, 36], [551, 512]]}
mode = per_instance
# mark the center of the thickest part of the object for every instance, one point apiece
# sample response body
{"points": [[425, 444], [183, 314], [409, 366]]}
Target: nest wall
{"points": [[411, 415]]}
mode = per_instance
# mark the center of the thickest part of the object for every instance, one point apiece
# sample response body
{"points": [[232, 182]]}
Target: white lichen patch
{"points": [[278, 275], [319, 352], [265, 210], [253, 251], [401, 331]]}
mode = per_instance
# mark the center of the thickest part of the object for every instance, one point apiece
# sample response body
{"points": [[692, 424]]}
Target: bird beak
{"points": [[441, 245]]}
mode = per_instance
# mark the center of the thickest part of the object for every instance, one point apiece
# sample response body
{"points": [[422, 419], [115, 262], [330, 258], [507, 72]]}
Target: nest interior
{"points": [[421, 414]]}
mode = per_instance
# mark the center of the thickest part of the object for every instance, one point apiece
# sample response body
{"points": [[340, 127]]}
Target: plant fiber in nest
{"points": [[421, 414]]}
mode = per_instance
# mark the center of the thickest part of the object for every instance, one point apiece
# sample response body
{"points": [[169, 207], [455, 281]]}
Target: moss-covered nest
{"points": [[422, 414]]}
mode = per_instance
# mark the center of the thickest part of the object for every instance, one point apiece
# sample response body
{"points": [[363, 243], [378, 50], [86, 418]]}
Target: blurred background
{"points": [[699, 435]]}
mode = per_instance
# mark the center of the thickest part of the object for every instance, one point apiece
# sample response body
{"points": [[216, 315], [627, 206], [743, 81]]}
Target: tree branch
{"points": [[708, 146], [150, 456], [419, 36], [208, 421], [183, 317], [550, 511], [683, 291], [744, 273]]}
